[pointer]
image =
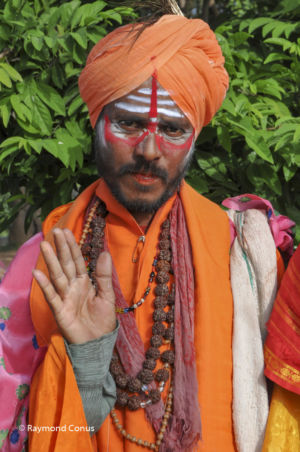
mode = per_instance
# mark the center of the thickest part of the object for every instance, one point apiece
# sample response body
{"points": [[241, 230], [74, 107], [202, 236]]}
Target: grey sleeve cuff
{"points": [[90, 362]]}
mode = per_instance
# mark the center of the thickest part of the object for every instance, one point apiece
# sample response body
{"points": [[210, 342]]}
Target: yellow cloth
{"points": [[283, 428]]}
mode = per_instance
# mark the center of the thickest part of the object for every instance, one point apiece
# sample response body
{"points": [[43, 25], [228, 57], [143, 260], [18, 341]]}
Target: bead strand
{"points": [[160, 436], [92, 244], [87, 225]]}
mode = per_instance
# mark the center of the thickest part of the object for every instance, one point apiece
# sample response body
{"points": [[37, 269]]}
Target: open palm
{"points": [[81, 313]]}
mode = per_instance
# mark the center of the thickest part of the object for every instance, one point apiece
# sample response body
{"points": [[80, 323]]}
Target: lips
{"points": [[145, 179]]}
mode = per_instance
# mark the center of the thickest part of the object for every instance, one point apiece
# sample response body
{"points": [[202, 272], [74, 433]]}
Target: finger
{"points": [[75, 252], [50, 294], [64, 254], [56, 274], [104, 277]]}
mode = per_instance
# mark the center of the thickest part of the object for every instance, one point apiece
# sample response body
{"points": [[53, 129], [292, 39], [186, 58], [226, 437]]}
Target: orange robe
{"points": [[55, 399]]}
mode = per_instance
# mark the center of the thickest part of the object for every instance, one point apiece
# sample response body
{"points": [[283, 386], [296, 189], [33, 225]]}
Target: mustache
{"points": [[142, 165]]}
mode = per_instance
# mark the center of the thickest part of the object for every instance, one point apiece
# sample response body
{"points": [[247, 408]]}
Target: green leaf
{"points": [[269, 86], [6, 152], [21, 110], [51, 98], [211, 165], [95, 36], [41, 117], [13, 74], [198, 182], [276, 56], [37, 145], [10, 141], [57, 150], [240, 37], [50, 41], [256, 23], [57, 75], [80, 37], [289, 172], [78, 55], [229, 106], [278, 108], [224, 138], [296, 137], [37, 42], [276, 27], [259, 145], [71, 145], [112, 15], [87, 14], [5, 114], [285, 127], [76, 103], [4, 78], [37, 6], [279, 41]]}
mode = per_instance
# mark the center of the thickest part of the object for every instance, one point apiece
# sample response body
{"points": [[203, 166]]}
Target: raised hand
{"points": [[80, 312]]}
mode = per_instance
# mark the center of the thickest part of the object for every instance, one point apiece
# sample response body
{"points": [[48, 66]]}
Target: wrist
{"points": [[78, 338]]}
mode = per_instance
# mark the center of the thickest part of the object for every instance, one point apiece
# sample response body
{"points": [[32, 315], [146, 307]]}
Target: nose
{"points": [[148, 148]]}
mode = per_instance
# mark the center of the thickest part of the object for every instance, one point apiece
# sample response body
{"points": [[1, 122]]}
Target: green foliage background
{"points": [[251, 146], [45, 134]]}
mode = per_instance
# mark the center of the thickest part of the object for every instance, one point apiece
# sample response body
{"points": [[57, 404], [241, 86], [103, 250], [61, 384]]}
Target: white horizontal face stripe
{"points": [[132, 108], [147, 100], [144, 109], [148, 91], [171, 113]]}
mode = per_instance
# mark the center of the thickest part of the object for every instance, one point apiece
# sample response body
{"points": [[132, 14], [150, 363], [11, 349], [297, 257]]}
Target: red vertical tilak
{"points": [[153, 107]]}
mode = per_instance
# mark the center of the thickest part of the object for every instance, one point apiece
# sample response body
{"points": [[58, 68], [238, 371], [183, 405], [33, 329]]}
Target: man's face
{"points": [[144, 144]]}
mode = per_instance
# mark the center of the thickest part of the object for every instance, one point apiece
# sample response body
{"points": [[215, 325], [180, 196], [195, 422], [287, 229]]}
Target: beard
{"points": [[106, 170]]}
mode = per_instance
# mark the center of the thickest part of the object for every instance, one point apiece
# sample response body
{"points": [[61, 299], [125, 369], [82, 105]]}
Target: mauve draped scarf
{"points": [[184, 430]]}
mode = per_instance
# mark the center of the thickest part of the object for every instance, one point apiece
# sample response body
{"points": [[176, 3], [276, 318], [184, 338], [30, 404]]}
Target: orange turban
{"points": [[184, 54]]}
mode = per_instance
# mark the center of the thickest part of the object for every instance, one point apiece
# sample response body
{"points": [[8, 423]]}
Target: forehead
{"points": [[140, 100]]}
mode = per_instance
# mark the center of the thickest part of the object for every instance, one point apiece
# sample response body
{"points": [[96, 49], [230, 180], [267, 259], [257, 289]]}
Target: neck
{"points": [[143, 219]]}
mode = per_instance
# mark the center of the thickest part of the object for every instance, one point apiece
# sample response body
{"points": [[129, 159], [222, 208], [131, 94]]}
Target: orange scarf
{"points": [[55, 399]]}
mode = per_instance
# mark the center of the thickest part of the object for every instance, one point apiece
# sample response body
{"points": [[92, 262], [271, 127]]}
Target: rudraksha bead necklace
{"points": [[92, 244], [152, 446]]}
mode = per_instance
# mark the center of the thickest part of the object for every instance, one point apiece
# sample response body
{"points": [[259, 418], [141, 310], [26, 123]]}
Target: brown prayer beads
{"points": [[92, 244]]}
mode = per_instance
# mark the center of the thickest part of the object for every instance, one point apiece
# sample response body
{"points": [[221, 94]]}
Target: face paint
{"points": [[132, 136], [131, 108], [143, 157], [113, 134], [139, 99]]}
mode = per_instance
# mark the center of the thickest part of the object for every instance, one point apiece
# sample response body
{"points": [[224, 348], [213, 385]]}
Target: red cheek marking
{"points": [[112, 138], [166, 146], [162, 143]]}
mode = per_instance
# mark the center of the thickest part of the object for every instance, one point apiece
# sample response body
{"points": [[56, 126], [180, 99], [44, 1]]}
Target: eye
{"points": [[173, 132], [129, 125]]}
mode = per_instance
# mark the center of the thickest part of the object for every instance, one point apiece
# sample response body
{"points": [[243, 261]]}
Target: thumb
{"points": [[104, 276]]}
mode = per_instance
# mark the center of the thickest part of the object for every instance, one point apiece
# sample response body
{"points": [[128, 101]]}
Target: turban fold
{"points": [[183, 53]]}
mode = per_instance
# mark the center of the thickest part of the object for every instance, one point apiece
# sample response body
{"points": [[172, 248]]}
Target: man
{"points": [[164, 272]]}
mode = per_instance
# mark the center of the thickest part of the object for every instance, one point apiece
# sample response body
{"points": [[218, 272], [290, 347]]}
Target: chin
{"points": [[140, 203]]}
